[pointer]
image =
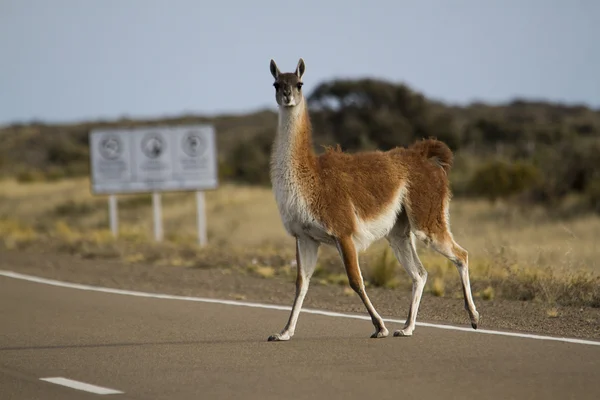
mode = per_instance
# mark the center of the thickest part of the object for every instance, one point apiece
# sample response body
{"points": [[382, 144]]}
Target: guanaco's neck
{"points": [[293, 155]]}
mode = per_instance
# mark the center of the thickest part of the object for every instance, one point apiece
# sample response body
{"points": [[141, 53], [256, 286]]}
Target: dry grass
{"points": [[488, 293], [382, 272], [264, 271], [513, 254], [437, 286], [552, 312]]}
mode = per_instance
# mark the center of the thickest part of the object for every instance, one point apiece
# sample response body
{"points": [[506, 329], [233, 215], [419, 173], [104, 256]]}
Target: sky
{"points": [[75, 60]]}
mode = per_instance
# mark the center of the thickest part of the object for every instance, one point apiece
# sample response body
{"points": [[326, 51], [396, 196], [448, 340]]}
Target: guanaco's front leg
{"points": [[306, 260], [349, 256]]}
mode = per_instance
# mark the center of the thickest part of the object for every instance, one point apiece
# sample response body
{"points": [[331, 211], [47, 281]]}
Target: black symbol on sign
{"points": [[153, 145], [193, 144], [110, 147]]}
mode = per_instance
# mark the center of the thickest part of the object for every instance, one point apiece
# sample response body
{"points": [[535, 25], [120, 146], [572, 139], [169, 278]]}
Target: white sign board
{"points": [[153, 159]]}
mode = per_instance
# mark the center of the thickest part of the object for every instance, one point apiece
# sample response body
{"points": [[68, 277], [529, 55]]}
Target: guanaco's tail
{"points": [[436, 151]]}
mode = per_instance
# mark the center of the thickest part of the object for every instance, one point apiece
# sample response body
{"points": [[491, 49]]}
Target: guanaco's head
{"points": [[288, 86]]}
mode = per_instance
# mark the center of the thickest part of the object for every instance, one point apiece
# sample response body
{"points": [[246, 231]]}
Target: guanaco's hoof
{"points": [[278, 337], [403, 333], [380, 334]]}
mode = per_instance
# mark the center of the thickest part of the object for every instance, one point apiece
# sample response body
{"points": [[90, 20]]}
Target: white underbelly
{"points": [[365, 234], [298, 220], [369, 231], [312, 230]]}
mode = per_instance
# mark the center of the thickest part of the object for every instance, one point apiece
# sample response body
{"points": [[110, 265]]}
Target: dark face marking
{"points": [[288, 90], [288, 86]]}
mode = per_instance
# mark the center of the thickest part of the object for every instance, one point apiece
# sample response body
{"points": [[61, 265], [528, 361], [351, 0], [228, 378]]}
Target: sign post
{"points": [[112, 215], [201, 215], [154, 160], [157, 213]]}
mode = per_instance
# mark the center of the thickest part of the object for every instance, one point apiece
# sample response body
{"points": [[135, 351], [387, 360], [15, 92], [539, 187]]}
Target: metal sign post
{"points": [[201, 215], [154, 160], [157, 212], [113, 215]]}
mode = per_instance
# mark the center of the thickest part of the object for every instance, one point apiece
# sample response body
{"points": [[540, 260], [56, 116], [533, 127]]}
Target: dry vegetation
{"points": [[514, 254]]}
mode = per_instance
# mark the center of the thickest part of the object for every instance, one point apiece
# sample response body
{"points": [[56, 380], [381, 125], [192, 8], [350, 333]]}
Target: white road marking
{"points": [[16, 275], [86, 387]]}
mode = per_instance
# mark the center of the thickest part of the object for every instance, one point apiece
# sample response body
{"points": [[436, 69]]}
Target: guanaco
{"points": [[350, 200]]}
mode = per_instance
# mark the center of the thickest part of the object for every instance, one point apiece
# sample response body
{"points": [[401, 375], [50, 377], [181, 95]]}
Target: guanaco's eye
{"points": [[276, 86], [299, 85]]}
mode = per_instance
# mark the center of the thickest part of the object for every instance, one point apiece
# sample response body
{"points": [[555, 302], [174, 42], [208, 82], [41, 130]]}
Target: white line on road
{"points": [[86, 387], [53, 282]]}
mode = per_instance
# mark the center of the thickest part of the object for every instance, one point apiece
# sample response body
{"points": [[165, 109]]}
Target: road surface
{"points": [[153, 348]]}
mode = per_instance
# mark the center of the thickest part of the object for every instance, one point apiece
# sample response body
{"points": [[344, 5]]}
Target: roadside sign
{"points": [[154, 160]]}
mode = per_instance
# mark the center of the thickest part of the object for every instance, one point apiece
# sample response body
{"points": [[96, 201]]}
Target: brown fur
{"points": [[351, 264], [337, 184], [435, 151], [428, 190]]}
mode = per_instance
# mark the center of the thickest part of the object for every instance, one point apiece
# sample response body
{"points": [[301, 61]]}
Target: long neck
{"points": [[293, 148]]}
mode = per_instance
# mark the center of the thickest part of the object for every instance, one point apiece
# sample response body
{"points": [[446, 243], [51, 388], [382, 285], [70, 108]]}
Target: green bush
{"points": [[571, 167], [524, 176], [592, 195], [66, 152], [499, 179]]}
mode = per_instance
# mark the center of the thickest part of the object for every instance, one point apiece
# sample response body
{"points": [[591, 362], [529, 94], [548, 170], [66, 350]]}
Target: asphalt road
{"points": [[150, 348]]}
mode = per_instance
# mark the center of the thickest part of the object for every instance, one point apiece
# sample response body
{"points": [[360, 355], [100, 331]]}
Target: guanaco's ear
{"points": [[300, 68], [274, 70]]}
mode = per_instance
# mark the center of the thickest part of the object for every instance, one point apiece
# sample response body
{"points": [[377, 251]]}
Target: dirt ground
{"points": [[522, 316]]}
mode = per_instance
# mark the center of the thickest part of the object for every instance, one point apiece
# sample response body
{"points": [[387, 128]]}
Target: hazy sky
{"points": [[69, 60]]}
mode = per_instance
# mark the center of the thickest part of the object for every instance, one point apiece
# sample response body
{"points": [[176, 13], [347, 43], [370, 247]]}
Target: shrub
{"points": [[64, 151], [592, 195], [571, 167], [499, 179]]}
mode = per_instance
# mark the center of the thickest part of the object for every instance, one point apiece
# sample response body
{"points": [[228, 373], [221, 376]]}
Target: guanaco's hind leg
{"points": [[349, 257], [445, 245], [403, 245], [306, 260], [430, 221]]}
